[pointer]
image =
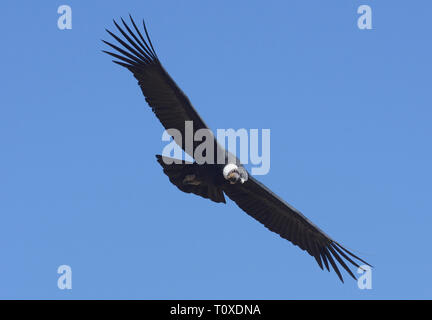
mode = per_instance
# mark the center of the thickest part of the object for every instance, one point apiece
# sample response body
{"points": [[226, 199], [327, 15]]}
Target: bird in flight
{"points": [[214, 180]]}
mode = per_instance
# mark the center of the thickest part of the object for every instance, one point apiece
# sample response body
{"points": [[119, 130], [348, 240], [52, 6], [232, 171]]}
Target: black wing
{"points": [[167, 100], [278, 216]]}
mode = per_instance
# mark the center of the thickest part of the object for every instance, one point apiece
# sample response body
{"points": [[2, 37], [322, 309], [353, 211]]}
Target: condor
{"points": [[213, 181]]}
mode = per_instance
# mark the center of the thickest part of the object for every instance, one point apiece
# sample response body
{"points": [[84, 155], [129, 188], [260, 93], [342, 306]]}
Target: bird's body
{"points": [[215, 180]]}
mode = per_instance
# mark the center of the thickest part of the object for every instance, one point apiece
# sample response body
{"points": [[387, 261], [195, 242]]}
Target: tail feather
{"points": [[177, 173]]}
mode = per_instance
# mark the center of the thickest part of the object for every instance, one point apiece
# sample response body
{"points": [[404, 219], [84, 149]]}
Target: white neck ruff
{"points": [[228, 168]]}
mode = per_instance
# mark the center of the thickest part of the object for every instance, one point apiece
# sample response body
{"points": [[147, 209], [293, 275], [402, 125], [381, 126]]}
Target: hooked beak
{"points": [[233, 177]]}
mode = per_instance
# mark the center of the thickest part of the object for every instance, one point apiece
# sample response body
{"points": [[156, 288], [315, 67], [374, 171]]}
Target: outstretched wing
{"points": [[167, 100], [278, 216]]}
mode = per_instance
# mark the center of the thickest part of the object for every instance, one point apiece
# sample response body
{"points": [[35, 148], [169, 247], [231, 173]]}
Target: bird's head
{"points": [[233, 177], [233, 174]]}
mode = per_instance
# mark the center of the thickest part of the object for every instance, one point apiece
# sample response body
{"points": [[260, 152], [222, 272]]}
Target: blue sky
{"points": [[350, 118]]}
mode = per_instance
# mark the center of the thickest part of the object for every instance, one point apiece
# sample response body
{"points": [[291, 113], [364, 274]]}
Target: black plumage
{"points": [[172, 107]]}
